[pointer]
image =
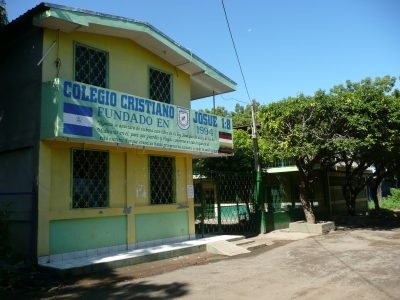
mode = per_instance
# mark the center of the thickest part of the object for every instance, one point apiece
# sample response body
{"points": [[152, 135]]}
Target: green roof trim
{"points": [[41, 16], [84, 18]]}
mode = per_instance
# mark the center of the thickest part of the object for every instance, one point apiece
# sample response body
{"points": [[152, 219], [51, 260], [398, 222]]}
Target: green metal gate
{"points": [[224, 203]]}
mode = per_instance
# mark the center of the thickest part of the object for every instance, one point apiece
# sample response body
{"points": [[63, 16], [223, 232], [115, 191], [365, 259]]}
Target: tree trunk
{"points": [[306, 186], [307, 208], [351, 188], [352, 206], [396, 181], [379, 191], [374, 193], [350, 200]]}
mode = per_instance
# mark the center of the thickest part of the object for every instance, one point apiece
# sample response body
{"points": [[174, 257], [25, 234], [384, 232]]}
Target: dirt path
{"points": [[353, 264]]}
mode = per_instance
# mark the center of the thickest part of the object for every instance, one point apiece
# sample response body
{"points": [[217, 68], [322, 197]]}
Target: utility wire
{"points": [[237, 56], [229, 99]]}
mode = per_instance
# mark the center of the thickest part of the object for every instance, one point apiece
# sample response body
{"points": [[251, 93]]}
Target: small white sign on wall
{"points": [[190, 191]]}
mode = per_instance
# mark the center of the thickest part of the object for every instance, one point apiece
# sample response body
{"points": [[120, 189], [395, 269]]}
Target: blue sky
{"points": [[284, 47]]}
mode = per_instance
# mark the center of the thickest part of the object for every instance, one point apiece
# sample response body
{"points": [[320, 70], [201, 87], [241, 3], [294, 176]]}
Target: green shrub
{"points": [[389, 202], [371, 205]]}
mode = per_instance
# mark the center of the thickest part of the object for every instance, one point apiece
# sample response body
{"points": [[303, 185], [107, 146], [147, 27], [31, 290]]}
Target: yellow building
{"points": [[96, 132]]}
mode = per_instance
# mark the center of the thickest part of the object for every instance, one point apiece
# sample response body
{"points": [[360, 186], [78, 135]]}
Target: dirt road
{"points": [[350, 264]]}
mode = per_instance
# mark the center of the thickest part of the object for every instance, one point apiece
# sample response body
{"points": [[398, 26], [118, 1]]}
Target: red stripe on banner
{"points": [[225, 135]]}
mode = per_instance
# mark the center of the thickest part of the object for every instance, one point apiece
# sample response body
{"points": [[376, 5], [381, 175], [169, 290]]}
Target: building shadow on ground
{"points": [[105, 285]]}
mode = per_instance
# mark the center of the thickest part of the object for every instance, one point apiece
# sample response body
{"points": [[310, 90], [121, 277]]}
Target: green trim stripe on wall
{"points": [[161, 225], [82, 234]]}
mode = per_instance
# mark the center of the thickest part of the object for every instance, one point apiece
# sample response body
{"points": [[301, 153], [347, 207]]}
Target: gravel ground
{"points": [[349, 263]]}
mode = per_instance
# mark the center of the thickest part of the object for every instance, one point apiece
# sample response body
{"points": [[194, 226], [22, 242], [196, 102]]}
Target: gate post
{"points": [[218, 196], [260, 214], [259, 200], [203, 205]]}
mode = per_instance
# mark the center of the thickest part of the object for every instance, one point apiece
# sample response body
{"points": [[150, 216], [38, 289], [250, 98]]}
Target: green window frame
{"points": [[89, 178], [162, 180], [160, 86], [91, 65]]}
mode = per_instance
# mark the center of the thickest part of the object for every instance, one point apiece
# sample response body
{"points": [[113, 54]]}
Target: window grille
{"points": [[89, 178], [162, 180], [91, 65], [160, 86]]}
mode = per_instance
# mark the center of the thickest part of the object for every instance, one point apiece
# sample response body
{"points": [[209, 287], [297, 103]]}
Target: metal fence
{"points": [[224, 203]]}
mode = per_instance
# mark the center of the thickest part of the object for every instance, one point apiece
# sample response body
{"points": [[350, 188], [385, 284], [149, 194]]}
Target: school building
{"points": [[96, 132]]}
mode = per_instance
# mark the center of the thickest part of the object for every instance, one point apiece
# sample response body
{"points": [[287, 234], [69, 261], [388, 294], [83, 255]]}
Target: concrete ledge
{"points": [[318, 228], [351, 220], [102, 266], [105, 261], [113, 249], [383, 214], [370, 219]]}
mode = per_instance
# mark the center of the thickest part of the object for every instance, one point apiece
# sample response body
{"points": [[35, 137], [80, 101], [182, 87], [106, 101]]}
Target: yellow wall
{"points": [[129, 186], [129, 176], [128, 64]]}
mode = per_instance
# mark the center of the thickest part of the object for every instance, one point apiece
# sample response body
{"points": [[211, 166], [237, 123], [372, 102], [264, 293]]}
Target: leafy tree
{"points": [[300, 129], [242, 160], [385, 166], [369, 129], [3, 13], [396, 93], [357, 125], [242, 115], [218, 111]]}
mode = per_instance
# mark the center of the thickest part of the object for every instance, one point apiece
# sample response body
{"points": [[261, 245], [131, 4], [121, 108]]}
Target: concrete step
{"points": [[255, 246], [243, 242], [237, 238], [249, 244], [226, 248]]}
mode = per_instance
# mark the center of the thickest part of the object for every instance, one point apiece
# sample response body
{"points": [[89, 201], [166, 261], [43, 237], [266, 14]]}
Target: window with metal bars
{"points": [[91, 65], [160, 86], [90, 178], [162, 180]]}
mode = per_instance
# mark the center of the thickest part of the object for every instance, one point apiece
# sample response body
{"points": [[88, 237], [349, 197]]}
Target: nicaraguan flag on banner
{"points": [[78, 119], [225, 139]]}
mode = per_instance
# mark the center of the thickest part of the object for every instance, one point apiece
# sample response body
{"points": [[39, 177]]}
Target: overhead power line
{"points": [[237, 56], [229, 99]]}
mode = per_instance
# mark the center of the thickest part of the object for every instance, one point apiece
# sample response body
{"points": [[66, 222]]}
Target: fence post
{"points": [[218, 196], [203, 205], [259, 204], [260, 216]]}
